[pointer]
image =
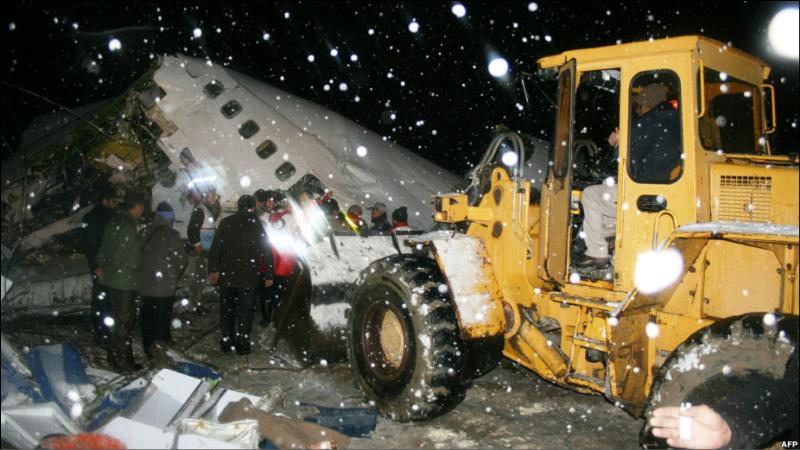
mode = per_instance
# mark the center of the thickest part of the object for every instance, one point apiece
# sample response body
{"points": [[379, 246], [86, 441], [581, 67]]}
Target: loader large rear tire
{"points": [[716, 360], [403, 341]]}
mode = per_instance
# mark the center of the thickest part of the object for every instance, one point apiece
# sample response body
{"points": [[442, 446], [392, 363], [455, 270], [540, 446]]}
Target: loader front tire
{"points": [[403, 342], [719, 359]]}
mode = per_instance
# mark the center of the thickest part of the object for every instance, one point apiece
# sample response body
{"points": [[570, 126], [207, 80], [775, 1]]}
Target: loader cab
{"points": [[708, 108]]}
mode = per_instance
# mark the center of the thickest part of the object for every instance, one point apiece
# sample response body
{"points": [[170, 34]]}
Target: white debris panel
{"points": [[462, 258]]}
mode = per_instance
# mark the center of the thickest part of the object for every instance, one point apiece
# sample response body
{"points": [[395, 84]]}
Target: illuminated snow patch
{"points": [[328, 317], [655, 270]]}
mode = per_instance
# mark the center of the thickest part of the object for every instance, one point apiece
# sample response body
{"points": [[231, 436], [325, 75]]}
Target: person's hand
{"points": [[707, 428], [269, 282], [213, 278], [198, 249], [613, 138], [99, 272]]}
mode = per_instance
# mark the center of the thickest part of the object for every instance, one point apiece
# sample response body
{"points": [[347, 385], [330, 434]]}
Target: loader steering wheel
{"points": [[588, 162]]}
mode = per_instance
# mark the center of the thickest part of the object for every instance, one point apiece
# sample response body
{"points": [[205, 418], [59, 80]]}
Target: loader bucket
{"points": [[313, 319]]}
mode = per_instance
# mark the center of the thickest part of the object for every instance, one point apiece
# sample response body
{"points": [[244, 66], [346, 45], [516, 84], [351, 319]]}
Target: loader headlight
{"points": [[440, 216]]}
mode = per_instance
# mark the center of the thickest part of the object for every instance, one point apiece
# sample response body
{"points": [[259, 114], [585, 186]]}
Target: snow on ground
{"points": [[508, 408]]}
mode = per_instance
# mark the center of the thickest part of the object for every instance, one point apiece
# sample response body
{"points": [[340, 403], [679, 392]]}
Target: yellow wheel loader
{"points": [[702, 277]]}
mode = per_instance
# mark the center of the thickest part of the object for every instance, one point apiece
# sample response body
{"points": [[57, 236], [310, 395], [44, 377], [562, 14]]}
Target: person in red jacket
{"points": [[279, 223]]}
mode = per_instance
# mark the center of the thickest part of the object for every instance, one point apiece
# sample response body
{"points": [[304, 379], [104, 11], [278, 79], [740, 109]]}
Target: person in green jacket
{"points": [[119, 264]]}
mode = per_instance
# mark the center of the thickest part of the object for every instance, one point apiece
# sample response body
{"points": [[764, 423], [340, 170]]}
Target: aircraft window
{"points": [[285, 171], [248, 129], [214, 89], [266, 149], [231, 109]]}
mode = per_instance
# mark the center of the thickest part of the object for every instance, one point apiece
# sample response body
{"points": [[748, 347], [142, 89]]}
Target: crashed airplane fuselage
{"points": [[250, 135], [240, 135]]}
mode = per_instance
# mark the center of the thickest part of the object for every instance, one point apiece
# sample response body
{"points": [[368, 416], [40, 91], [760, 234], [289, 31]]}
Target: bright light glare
{"points": [[361, 151], [783, 31], [413, 26], [498, 67], [114, 45], [459, 10], [655, 270], [510, 159]]}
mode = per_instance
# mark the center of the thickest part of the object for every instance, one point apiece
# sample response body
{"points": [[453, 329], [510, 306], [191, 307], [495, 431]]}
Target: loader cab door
{"points": [[557, 189]]}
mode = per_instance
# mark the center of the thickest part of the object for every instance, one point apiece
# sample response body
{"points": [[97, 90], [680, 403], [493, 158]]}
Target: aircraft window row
{"points": [[266, 149], [214, 89], [231, 109], [248, 129], [285, 171]]}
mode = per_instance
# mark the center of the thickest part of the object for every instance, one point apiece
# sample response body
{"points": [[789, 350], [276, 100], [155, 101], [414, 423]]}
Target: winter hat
{"points": [[650, 96], [400, 214], [165, 210], [379, 206]]}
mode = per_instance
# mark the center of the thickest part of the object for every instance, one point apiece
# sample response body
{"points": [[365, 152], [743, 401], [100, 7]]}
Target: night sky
{"points": [[435, 81]]}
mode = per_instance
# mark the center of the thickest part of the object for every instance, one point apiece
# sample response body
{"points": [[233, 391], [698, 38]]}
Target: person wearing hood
{"points": [[380, 223], [163, 261], [400, 220], [119, 261]]}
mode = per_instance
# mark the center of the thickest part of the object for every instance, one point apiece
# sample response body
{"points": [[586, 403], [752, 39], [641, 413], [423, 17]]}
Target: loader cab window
{"points": [[214, 89], [732, 120], [596, 118], [655, 148], [560, 148]]}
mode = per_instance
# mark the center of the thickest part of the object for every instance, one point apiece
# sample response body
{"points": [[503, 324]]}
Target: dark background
{"points": [[447, 103]]}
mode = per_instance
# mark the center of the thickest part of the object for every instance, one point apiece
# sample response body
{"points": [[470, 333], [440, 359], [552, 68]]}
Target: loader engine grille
{"points": [[745, 198]]}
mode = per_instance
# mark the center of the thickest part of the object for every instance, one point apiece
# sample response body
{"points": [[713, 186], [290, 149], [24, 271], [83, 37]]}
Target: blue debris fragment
{"points": [[354, 422], [61, 376]]}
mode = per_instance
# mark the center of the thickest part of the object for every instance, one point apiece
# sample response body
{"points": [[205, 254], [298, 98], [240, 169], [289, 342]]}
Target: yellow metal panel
{"points": [[731, 287]]}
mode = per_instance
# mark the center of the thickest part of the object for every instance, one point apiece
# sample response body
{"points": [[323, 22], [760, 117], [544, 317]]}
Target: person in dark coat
{"points": [[239, 245], [380, 223], [655, 141], [163, 261], [200, 234], [758, 410], [94, 222], [119, 262]]}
